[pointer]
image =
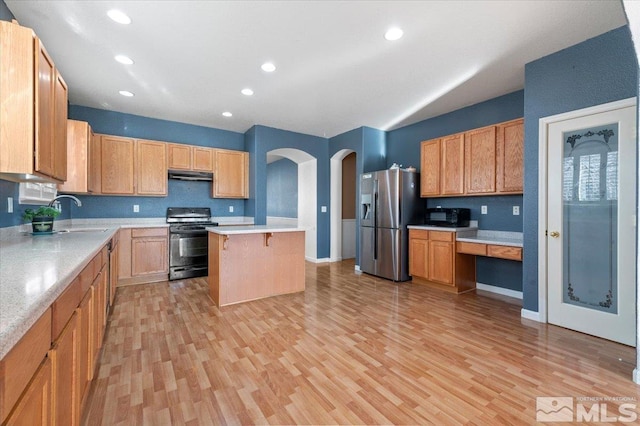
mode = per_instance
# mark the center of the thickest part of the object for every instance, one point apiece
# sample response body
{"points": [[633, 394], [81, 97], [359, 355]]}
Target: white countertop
{"points": [[500, 238], [35, 270], [442, 228], [252, 229]]}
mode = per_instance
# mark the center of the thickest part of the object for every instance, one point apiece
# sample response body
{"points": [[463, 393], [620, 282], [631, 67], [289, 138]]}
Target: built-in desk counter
{"points": [[255, 261], [500, 244]]}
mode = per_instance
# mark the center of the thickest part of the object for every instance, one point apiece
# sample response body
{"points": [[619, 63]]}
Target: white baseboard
{"points": [[530, 315], [357, 268], [499, 290], [335, 259], [636, 376], [314, 260]]}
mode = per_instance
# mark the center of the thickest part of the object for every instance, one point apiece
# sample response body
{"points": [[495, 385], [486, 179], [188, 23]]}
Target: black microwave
{"points": [[452, 217]]}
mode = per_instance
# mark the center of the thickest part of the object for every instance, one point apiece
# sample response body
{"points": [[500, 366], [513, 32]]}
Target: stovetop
{"points": [[200, 215]]}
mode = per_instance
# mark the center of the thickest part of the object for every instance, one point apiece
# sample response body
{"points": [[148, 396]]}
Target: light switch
{"points": [[136, 208], [323, 209], [230, 209], [516, 210], [483, 209]]}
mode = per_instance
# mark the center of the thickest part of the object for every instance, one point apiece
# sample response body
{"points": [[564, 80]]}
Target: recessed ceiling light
{"points": [[119, 17], [268, 67], [124, 59], [227, 114], [126, 93], [393, 34], [247, 92]]}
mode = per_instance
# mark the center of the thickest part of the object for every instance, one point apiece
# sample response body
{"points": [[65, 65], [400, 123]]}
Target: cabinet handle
{"points": [[554, 234], [267, 237]]}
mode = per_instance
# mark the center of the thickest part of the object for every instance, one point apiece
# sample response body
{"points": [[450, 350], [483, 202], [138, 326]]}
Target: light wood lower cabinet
{"points": [[143, 255], [66, 374], [45, 377], [34, 407], [490, 250], [433, 261]]}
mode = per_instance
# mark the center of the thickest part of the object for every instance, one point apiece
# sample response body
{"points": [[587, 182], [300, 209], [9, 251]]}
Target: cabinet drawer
{"points": [[63, 308], [420, 234], [20, 364], [472, 248], [149, 232], [89, 273], [441, 236], [505, 252]]}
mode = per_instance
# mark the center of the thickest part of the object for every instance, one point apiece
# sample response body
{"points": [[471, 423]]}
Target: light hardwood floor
{"points": [[351, 349]]}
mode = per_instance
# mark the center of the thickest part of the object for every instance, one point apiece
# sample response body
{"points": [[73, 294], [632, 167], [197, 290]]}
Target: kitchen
{"points": [[401, 145]]}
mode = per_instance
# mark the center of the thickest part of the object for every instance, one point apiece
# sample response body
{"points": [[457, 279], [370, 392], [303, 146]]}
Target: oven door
{"points": [[188, 248]]}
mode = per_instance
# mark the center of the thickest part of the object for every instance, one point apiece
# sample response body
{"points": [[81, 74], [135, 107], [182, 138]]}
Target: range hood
{"points": [[190, 175]]}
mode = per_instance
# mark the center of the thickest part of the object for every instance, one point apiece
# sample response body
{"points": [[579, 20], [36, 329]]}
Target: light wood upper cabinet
{"points": [[33, 124], [510, 157], [484, 161], [480, 160], [95, 164], [79, 149], [151, 168], [180, 156], [231, 174], [430, 168], [203, 159], [452, 164], [117, 168]]}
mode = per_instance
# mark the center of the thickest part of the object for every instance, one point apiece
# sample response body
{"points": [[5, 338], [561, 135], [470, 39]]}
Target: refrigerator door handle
{"points": [[375, 219]]}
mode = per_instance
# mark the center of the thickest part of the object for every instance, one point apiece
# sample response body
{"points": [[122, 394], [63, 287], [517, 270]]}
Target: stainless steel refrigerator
{"points": [[389, 201]]}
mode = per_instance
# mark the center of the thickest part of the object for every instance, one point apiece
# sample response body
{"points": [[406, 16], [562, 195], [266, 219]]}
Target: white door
{"points": [[591, 248]]}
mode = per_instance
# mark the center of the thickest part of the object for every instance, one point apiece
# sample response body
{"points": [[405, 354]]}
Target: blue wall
{"points": [[5, 13], [259, 140], [600, 70], [180, 193], [403, 147], [282, 188]]}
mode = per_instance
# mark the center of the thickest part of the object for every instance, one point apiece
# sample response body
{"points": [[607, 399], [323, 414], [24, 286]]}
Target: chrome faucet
{"points": [[78, 202]]}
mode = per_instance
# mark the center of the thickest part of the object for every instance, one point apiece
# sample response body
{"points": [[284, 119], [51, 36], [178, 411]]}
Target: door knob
{"points": [[554, 234]]}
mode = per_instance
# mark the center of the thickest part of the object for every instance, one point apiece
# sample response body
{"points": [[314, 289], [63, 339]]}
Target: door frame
{"points": [[543, 125]]}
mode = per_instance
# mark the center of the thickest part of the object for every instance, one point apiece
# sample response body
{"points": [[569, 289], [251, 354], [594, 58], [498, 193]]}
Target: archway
{"points": [[336, 206], [307, 194]]}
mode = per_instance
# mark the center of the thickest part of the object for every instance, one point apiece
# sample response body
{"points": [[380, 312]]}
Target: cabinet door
{"points": [[60, 129], [99, 300], [202, 159], [113, 272], [149, 255], [95, 163], [418, 257], [45, 115], [179, 156], [231, 174], [430, 168], [510, 156], [151, 162], [480, 160], [441, 262], [452, 164], [85, 348], [78, 150], [117, 165], [66, 374], [35, 406]]}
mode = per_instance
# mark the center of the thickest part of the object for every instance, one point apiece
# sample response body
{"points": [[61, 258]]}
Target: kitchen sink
{"points": [[70, 230]]}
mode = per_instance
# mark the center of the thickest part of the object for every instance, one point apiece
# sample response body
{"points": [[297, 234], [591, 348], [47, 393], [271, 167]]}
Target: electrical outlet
{"points": [[323, 209], [438, 207], [230, 209], [516, 210], [9, 204], [483, 209], [136, 208]]}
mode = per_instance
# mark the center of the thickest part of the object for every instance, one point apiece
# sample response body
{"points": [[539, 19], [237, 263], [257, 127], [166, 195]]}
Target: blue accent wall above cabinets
{"points": [[599, 70], [5, 13], [282, 189], [135, 126]]}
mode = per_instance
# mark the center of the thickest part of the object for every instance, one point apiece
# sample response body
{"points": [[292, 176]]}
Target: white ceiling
{"points": [[335, 71]]}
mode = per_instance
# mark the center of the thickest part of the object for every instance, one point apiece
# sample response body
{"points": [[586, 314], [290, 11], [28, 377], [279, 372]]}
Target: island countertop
{"points": [[252, 229]]}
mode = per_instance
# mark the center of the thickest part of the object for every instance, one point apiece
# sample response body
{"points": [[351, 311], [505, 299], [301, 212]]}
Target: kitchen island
{"points": [[253, 262]]}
